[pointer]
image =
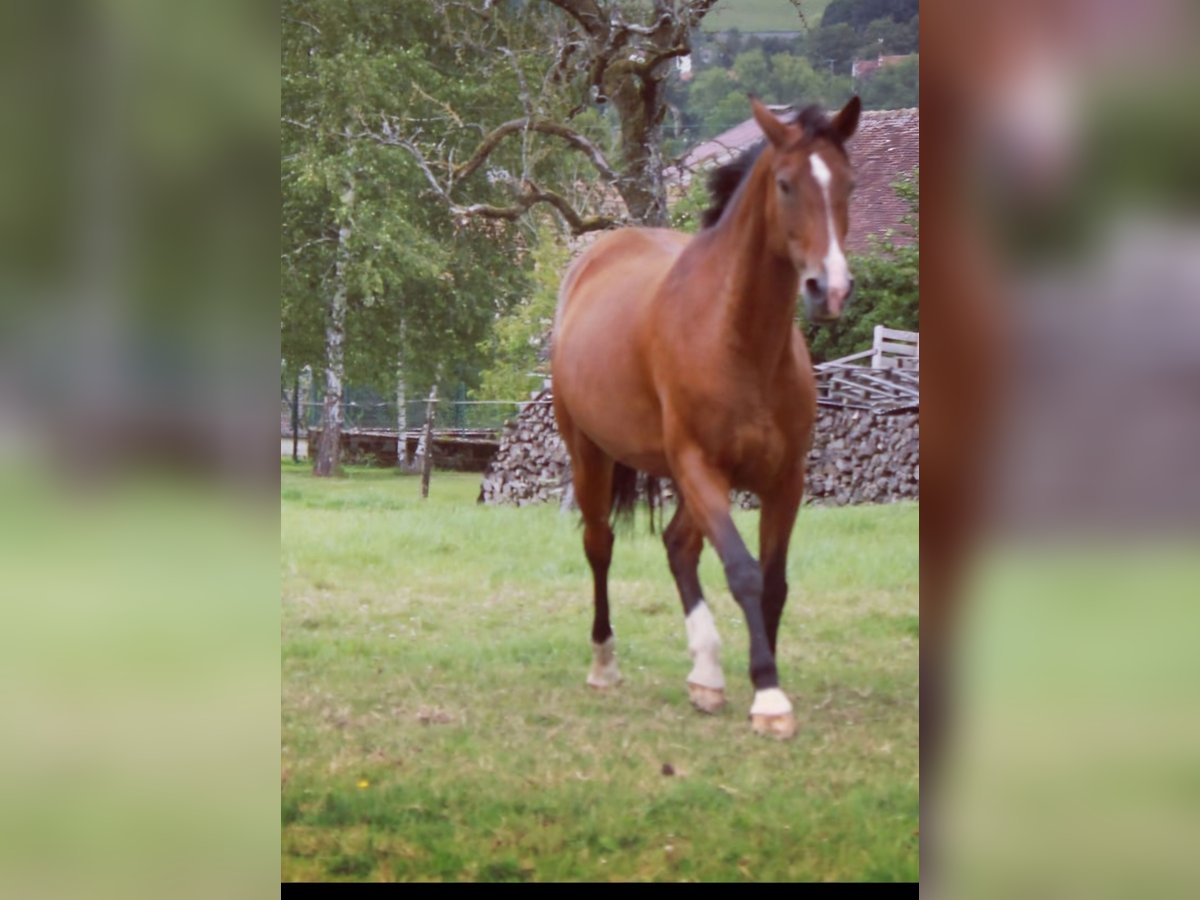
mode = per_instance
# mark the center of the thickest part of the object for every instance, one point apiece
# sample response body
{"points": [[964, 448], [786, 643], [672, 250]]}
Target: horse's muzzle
{"points": [[822, 305]]}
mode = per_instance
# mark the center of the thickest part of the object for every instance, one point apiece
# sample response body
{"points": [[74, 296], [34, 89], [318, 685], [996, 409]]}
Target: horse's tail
{"points": [[628, 485]]}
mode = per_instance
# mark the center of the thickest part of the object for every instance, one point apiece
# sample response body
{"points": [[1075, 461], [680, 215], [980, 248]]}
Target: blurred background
{"points": [[1060, 556], [138, 378], [138, 524]]}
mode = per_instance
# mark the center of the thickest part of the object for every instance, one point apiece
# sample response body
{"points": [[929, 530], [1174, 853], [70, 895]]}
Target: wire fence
{"points": [[483, 415]]}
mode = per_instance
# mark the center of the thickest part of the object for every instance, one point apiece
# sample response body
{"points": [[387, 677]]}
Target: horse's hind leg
{"points": [[592, 475], [706, 681]]}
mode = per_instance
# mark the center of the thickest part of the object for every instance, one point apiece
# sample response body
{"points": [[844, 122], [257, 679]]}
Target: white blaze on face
{"points": [[704, 645], [837, 273]]}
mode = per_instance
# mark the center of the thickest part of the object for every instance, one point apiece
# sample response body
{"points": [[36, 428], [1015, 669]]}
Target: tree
{"points": [[886, 289], [688, 211], [518, 341], [566, 56], [719, 96], [884, 36], [892, 87], [834, 45], [860, 13], [376, 278], [889, 37]]}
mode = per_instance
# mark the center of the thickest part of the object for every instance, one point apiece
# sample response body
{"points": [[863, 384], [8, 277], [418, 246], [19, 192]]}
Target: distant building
{"points": [[884, 149], [865, 68]]}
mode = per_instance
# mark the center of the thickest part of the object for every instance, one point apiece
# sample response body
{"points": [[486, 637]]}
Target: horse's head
{"points": [[808, 201]]}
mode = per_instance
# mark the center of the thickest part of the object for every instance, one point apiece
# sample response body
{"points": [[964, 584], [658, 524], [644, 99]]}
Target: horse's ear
{"points": [[846, 122], [775, 130]]}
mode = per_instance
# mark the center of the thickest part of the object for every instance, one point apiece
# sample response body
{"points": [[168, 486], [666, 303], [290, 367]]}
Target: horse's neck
{"points": [[759, 289]]}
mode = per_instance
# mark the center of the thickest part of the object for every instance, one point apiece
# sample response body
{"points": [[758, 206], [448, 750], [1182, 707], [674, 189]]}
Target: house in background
{"points": [[883, 150], [865, 68]]}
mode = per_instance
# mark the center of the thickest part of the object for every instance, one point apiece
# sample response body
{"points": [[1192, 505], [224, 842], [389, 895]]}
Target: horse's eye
{"points": [[784, 186]]}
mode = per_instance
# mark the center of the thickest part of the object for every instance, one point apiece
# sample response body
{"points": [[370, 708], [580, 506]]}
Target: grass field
{"points": [[763, 15], [436, 724]]}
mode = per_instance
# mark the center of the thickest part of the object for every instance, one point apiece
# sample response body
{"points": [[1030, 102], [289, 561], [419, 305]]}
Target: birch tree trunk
{"points": [[327, 460], [296, 419], [427, 440], [401, 416]]}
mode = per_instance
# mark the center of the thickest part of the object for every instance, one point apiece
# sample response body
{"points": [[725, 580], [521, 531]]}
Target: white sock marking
{"points": [[770, 702], [704, 645]]}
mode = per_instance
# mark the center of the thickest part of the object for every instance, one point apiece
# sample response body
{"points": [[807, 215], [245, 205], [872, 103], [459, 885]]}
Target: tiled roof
{"points": [[885, 148]]}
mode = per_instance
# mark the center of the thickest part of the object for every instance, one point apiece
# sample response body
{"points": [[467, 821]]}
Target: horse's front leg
{"points": [[706, 682], [779, 508], [705, 490]]}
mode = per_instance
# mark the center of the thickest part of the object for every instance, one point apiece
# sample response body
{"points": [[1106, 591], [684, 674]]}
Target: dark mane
{"points": [[725, 180], [723, 183]]}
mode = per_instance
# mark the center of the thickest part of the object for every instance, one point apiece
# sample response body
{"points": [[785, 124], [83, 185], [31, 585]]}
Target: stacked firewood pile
{"points": [[858, 456], [863, 457], [531, 464]]}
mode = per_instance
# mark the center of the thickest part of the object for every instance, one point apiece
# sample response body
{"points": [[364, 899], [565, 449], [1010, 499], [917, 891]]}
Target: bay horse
{"points": [[677, 356]]}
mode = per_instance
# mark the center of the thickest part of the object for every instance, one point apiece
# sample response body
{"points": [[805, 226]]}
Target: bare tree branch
{"points": [[531, 196], [588, 14], [309, 25], [544, 126], [450, 113], [644, 30], [526, 103], [300, 249], [594, 47], [422, 163]]}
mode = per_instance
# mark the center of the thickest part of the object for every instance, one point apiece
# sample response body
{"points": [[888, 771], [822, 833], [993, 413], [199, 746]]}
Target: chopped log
{"points": [[852, 449]]}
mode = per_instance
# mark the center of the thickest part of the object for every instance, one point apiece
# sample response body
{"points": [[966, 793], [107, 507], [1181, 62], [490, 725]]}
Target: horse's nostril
{"points": [[812, 286]]}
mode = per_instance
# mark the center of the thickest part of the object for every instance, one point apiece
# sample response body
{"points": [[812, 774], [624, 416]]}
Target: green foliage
{"points": [[886, 290], [518, 340], [865, 29], [421, 287], [889, 37], [893, 87], [859, 13], [715, 100], [813, 68], [835, 45], [686, 211]]}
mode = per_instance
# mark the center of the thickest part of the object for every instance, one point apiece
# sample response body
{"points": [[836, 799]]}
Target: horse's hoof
{"points": [[604, 673], [604, 681], [706, 699], [781, 727]]}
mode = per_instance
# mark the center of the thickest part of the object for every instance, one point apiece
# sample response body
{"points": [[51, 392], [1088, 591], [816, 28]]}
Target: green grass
{"points": [[1072, 766], [763, 15], [436, 724]]}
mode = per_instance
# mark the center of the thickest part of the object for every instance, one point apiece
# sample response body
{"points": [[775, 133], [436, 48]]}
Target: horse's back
{"points": [[618, 267]]}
